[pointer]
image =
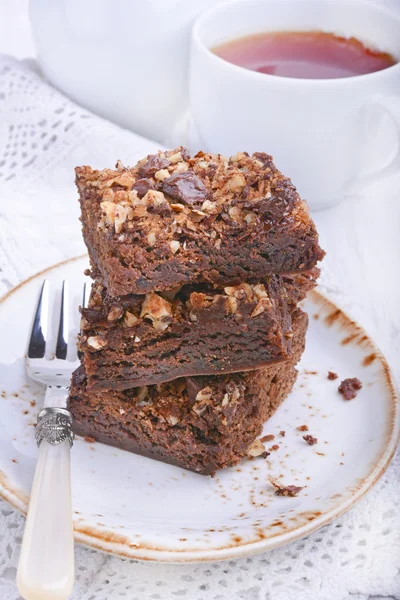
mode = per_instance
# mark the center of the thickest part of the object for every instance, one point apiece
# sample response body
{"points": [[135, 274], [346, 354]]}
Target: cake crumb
{"points": [[332, 376], [32, 402], [268, 438], [274, 448], [311, 440], [349, 388], [286, 490], [302, 428], [257, 449], [282, 433], [89, 439]]}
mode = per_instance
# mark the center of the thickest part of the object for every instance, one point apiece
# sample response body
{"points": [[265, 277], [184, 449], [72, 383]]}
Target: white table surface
{"points": [[362, 237]]}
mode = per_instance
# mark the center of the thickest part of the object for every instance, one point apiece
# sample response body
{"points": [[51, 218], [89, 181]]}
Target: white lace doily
{"points": [[42, 137]]}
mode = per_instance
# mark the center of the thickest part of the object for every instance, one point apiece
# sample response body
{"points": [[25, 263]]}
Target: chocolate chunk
{"points": [[185, 153], [349, 388], [153, 164], [185, 187], [266, 159], [163, 209], [194, 385], [92, 314], [142, 186], [310, 439]]}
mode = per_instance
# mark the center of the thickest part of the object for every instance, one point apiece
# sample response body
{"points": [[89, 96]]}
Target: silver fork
{"points": [[46, 564]]}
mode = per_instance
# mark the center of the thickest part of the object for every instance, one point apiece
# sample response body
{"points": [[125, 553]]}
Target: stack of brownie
{"points": [[192, 331]]}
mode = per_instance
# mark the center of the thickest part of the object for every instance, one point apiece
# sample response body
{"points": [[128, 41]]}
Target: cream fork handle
{"points": [[46, 565]]}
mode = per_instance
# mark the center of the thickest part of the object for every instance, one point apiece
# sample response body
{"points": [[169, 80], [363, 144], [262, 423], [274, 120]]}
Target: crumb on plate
{"points": [[349, 388]]}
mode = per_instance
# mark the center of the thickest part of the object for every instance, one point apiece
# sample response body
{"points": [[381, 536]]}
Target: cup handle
{"points": [[390, 106]]}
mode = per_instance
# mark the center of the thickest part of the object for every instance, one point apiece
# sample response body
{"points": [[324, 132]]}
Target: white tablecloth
{"points": [[42, 137]]}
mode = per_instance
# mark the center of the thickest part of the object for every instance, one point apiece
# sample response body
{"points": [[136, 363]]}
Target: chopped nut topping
{"points": [[130, 319], [238, 157], [175, 158], [260, 291], [197, 215], [121, 411], [155, 307], [174, 245], [115, 313], [255, 449], [231, 305], [97, 342], [172, 420], [262, 305], [225, 400], [181, 167], [108, 209], [204, 394], [120, 216], [177, 207], [235, 183], [209, 207], [151, 238], [199, 408], [241, 292], [161, 175], [153, 198]]}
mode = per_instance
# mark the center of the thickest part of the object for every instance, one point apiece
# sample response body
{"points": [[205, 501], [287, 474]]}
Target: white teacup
{"points": [[331, 136]]}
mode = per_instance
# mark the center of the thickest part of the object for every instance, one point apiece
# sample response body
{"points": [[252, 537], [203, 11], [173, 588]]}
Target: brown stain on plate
{"points": [[332, 317], [350, 338], [368, 360]]}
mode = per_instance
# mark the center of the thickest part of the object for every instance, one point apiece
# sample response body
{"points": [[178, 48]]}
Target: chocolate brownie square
{"points": [[176, 220], [198, 423], [135, 340]]}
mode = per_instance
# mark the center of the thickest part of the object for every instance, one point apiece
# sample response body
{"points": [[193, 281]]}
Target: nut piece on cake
{"points": [[175, 220]]}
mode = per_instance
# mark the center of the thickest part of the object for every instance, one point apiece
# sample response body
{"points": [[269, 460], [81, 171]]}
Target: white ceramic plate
{"points": [[137, 507]]}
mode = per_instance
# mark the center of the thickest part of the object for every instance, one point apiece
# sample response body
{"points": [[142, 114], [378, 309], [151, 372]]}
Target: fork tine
{"points": [[37, 343], [62, 337], [85, 298]]}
